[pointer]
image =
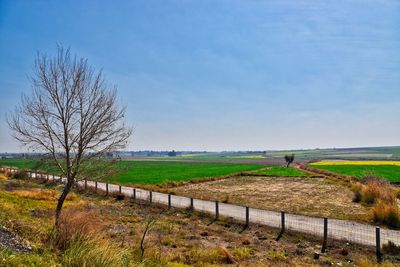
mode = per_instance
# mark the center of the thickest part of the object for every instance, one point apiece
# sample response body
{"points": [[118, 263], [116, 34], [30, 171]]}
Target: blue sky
{"points": [[223, 75]]}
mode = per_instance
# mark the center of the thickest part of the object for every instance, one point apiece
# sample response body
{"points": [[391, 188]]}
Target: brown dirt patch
{"points": [[307, 196]]}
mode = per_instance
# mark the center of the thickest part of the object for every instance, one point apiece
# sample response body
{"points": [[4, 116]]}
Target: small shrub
{"points": [[387, 214], [357, 197], [226, 199], [375, 190], [120, 197], [391, 248], [20, 175], [371, 193]]}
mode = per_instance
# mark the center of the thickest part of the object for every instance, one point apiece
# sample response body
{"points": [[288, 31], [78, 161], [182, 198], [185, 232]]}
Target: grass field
{"points": [[389, 170], [158, 172], [280, 171]]}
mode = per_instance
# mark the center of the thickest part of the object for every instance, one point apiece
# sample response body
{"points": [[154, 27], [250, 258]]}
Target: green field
{"points": [[387, 172], [158, 172], [280, 171]]}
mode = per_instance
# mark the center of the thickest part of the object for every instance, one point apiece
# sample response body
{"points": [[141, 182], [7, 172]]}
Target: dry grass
{"points": [[381, 196], [43, 194], [305, 195], [75, 224], [386, 214], [365, 262]]}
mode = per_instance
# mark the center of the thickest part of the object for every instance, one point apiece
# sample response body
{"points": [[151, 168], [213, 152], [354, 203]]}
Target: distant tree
{"points": [[172, 153], [72, 116], [289, 160]]}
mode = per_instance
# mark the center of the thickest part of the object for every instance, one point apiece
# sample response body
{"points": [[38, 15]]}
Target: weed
{"points": [[278, 255], [241, 253]]}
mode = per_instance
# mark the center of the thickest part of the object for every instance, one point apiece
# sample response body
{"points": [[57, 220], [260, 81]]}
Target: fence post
{"points": [[378, 244], [120, 190], [95, 186], [191, 203], [247, 216], [54, 179], [106, 188], [134, 193], [282, 222], [216, 210], [151, 196], [325, 235], [169, 201], [85, 184]]}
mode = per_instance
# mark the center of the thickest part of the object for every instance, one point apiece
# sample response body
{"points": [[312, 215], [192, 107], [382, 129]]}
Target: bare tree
{"points": [[289, 160], [72, 116]]}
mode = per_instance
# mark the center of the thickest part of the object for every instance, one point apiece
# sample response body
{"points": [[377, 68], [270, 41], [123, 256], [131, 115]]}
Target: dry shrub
{"points": [[74, 225], [374, 190], [3, 177], [42, 195], [378, 190], [386, 213]]}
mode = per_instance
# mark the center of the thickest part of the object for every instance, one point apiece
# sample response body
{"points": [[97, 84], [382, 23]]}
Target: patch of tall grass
{"points": [[378, 193], [42, 194], [79, 238]]}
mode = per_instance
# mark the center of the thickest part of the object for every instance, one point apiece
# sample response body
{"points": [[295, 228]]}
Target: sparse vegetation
{"points": [[95, 231]]}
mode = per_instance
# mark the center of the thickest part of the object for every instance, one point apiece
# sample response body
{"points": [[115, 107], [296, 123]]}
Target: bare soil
{"points": [[299, 195]]}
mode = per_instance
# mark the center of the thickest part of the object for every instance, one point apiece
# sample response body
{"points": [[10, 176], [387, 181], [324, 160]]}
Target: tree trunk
{"points": [[61, 200], [287, 166]]}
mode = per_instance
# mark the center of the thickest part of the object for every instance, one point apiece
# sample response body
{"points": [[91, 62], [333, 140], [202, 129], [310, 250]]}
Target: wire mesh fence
{"points": [[336, 229]]}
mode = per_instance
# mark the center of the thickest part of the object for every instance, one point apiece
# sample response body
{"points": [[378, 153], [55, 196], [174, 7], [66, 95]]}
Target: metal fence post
{"points": [[169, 201], [95, 186], [106, 188], [216, 210], [134, 193], [378, 244], [325, 235], [120, 190], [85, 184], [191, 203], [282, 222], [247, 216], [151, 196]]}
